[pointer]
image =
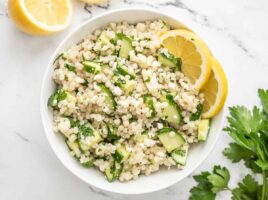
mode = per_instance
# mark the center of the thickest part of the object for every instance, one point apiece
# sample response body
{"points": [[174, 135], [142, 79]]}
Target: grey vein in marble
{"points": [[20, 136], [129, 2]]}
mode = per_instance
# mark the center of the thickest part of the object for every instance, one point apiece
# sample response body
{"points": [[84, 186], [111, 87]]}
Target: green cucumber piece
{"points": [[171, 112], [127, 85], [112, 173], [92, 67], [148, 99], [140, 138], [180, 155], [203, 129], [58, 96], [109, 97], [126, 47], [104, 38], [170, 138], [122, 69], [87, 137], [70, 67], [89, 163], [169, 60], [74, 147], [121, 154], [112, 132]]}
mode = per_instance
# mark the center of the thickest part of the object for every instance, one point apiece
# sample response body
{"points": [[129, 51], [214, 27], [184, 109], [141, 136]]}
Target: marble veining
{"points": [[235, 31]]}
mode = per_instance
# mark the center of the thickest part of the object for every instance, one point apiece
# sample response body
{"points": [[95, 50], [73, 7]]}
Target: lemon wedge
{"points": [[194, 54], [215, 90], [40, 17]]}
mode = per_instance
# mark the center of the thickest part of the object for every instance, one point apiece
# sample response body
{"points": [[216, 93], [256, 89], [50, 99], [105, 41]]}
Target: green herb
{"points": [[196, 116], [122, 70], [249, 130], [118, 156], [71, 68], [150, 103], [55, 98], [85, 130], [73, 122], [58, 57]]}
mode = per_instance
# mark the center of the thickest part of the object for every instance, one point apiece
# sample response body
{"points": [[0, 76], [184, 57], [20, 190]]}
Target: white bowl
{"points": [[145, 184]]}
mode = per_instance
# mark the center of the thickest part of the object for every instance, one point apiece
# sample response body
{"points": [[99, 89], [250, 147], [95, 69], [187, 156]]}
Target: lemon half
{"points": [[195, 56], [40, 17]]}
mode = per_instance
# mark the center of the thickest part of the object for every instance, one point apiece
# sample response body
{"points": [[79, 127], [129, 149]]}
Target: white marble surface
{"points": [[236, 32]]}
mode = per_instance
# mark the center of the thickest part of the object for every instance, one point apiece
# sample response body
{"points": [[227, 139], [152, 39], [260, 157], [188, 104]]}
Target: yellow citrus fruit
{"points": [[194, 54], [40, 17], [215, 90]]}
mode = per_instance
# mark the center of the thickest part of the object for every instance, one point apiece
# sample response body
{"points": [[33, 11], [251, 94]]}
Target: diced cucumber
{"points": [[140, 138], [92, 67], [89, 163], [180, 155], [195, 116], [74, 147], [87, 137], [126, 47], [58, 96], [112, 134], [126, 85], [112, 173], [104, 38], [169, 60], [109, 97], [171, 112], [70, 67], [122, 69], [121, 153], [170, 138], [203, 129], [150, 103], [118, 36], [129, 86]]}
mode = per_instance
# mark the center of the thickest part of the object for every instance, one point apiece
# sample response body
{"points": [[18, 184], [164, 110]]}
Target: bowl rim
{"points": [[43, 107]]}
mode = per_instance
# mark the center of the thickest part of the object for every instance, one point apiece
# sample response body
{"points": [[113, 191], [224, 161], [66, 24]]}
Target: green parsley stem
{"points": [[263, 196]]}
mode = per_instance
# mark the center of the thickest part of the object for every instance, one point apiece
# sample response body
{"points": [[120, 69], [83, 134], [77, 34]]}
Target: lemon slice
{"points": [[40, 17], [194, 54], [215, 91]]}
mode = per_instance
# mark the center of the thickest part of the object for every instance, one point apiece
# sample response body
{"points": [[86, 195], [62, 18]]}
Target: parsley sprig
{"points": [[249, 130]]}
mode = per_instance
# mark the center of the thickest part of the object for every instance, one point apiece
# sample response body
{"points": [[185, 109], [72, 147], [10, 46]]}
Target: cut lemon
{"points": [[194, 54], [40, 17], [215, 91]]}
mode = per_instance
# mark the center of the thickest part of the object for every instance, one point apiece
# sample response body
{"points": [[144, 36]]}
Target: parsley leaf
{"points": [[210, 183], [243, 126], [248, 189], [219, 179], [236, 153], [263, 94], [203, 190]]}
